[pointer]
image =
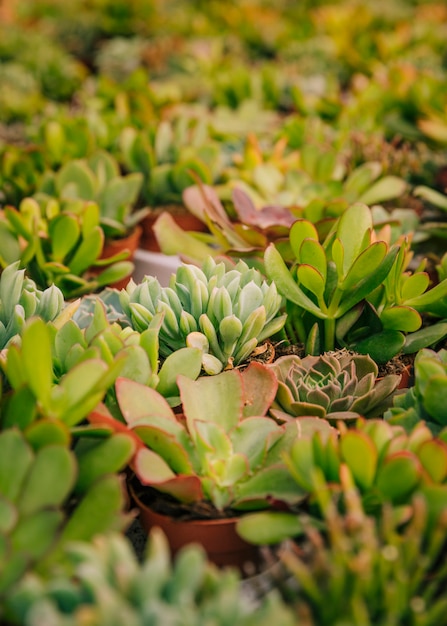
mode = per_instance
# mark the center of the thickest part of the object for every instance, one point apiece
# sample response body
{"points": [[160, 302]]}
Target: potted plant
{"points": [[60, 243], [226, 313], [354, 291], [220, 458]]}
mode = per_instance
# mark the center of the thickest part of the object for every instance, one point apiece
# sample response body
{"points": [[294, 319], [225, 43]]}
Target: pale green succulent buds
{"points": [[20, 299], [228, 312], [334, 385]]}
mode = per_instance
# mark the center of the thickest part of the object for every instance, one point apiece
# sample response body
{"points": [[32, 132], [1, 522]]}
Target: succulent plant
{"points": [[335, 385], [58, 244], [41, 478], [354, 291], [363, 571], [226, 313], [384, 463], [104, 583], [425, 400], [20, 299], [107, 340], [98, 179], [224, 451], [33, 391]]}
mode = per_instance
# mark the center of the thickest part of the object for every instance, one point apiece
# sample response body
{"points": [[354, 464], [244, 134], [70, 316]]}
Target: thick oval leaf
{"points": [[398, 477], [260, 385], [269, 527], [433, 456], [312, 253], [301, 230], [353, 231], [16, 458], [36, 341], [414, 285], [386, 188], [435, 398], [360, 454], [381, 346], [168, 446], [50, 480], [365, 264], [185, 361], [402, 318], [100, 511], [105, 457], [311, 279], [64, 232], [34, 535]]}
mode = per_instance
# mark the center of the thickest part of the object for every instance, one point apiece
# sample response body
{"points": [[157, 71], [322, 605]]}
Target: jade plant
{"points": [[335, 385], [20, 299], [104, 583], [225, 313], [363, 571], [224, 451], [353, 290], [59, 243], [384, 463], [98, 179], [425, 400]]}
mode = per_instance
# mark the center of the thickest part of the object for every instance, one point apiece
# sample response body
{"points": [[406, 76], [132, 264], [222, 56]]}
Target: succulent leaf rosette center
{"points": [[334, 385]]}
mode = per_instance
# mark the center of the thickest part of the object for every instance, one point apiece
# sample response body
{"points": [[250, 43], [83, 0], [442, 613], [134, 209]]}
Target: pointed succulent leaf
{"points": [[137, 401], [387, 188], [353, 231], [169, 446]]}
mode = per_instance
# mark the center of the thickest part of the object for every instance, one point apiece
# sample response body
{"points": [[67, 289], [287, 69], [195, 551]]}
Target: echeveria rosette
{"points": [[335, 385], [426, 400], [228, 312]]}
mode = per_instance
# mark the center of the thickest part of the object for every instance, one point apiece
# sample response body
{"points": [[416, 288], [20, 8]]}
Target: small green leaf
{"points": [[398, 477], [361, 457], [269, 527], [402, 318]]}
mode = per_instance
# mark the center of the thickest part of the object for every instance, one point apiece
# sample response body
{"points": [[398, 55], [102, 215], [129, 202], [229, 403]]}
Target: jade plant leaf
{"points": [[269, 527], [361, 456]]}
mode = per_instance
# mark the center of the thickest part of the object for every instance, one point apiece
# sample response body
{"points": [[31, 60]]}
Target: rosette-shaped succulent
{"points": [[335, 385], [225, 312]]}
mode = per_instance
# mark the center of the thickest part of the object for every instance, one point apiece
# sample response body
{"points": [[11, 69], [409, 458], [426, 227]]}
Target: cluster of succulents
{"points": [[224, 312]]}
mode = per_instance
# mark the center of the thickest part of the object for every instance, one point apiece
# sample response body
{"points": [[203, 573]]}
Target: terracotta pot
{"points": [[218, 537], [186, 220], [114, 246]]}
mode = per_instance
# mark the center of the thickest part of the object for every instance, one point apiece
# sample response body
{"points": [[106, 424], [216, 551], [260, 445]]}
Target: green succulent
{"points": [[59, 243], [225, 451], [384, 463], [226, 313], [98, 179], [353, 290], [104, 584], [20, 299], [41, 478], [335, 385], [101, 338], [32, 392], [425, 401], [363, 571]]}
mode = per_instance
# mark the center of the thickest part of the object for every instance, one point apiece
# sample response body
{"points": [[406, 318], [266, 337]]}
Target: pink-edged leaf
{"points": [[167, 446], [260, 385], [264, 218], [137, 401], [204, 200], [153, 471], [101, 417]]}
